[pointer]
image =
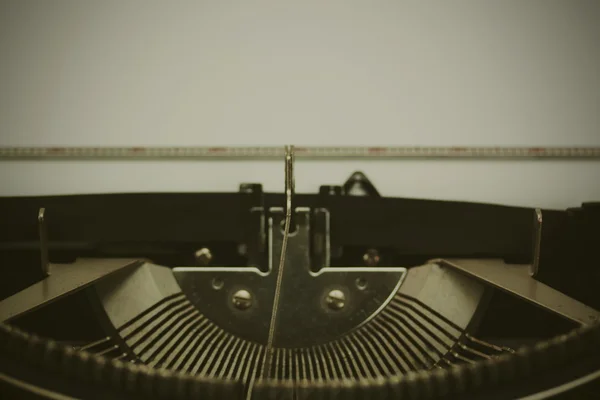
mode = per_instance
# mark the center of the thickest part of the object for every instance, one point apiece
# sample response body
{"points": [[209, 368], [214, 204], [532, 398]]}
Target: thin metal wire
{"points": [[473, 351], [488, 345], [183, 348], [241, 359], [109, 350], [94, 344], [185, 360], [462, 357], [228, 366]]}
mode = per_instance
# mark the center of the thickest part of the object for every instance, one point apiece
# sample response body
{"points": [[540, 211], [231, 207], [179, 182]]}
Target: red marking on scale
{"points": [[377, 150], [137, 149], [300, 149], [217, 150], [459, 149], [57, 150]]}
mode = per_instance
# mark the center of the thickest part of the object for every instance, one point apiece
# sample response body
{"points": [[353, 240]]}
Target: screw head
{"points": [[335, 300], [203, 256], [371, 258], [242, 300]]}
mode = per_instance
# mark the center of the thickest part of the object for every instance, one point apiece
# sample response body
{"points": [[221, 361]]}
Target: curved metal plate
{"points": [[304, 318]]}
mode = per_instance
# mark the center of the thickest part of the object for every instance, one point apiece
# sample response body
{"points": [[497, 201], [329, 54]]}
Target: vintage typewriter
{"points": [[340, 294]]}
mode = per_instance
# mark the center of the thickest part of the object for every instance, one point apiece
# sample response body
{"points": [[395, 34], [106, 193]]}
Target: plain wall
{"points": [[110, 73]]}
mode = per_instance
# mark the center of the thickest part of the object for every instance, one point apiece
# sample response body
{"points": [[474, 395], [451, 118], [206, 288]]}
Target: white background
{"points": [[111, 73]]}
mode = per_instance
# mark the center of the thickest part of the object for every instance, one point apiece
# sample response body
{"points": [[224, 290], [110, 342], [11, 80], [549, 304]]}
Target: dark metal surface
{"points": [[64, 280], [410, 226], [569, 252]]}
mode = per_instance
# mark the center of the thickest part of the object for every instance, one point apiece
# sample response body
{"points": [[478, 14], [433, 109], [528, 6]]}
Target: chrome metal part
{"points": [[94, 344], [290, 186], [516, 280], [242, 299], [103, 347], [64, 280], [487, 345], [336, 299], [537, 242], [203, 256], [469, 350], [43, 233]]}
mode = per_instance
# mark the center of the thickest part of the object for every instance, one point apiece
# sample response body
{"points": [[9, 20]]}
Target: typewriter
{"points": [[340, 294]]}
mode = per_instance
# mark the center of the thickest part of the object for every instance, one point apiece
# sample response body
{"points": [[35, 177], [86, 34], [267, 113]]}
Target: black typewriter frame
{"points": [[165, 225]]}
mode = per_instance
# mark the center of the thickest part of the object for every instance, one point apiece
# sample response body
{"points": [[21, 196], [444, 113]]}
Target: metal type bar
{"points": [[108, 350], [488, 345], [289, 190], [304, 152], [94, 344], [516, 280]]}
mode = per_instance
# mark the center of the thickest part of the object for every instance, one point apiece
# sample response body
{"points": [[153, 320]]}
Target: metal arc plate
{"points": [[304, 316]]}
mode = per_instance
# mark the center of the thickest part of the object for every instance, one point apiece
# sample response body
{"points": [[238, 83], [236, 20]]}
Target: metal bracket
{"points": [[65, 279], [360, 181], [516, 280], [519, 280]]}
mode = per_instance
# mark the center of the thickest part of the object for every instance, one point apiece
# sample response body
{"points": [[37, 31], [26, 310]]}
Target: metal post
{"points": [[537, 242], [43, 233]]}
